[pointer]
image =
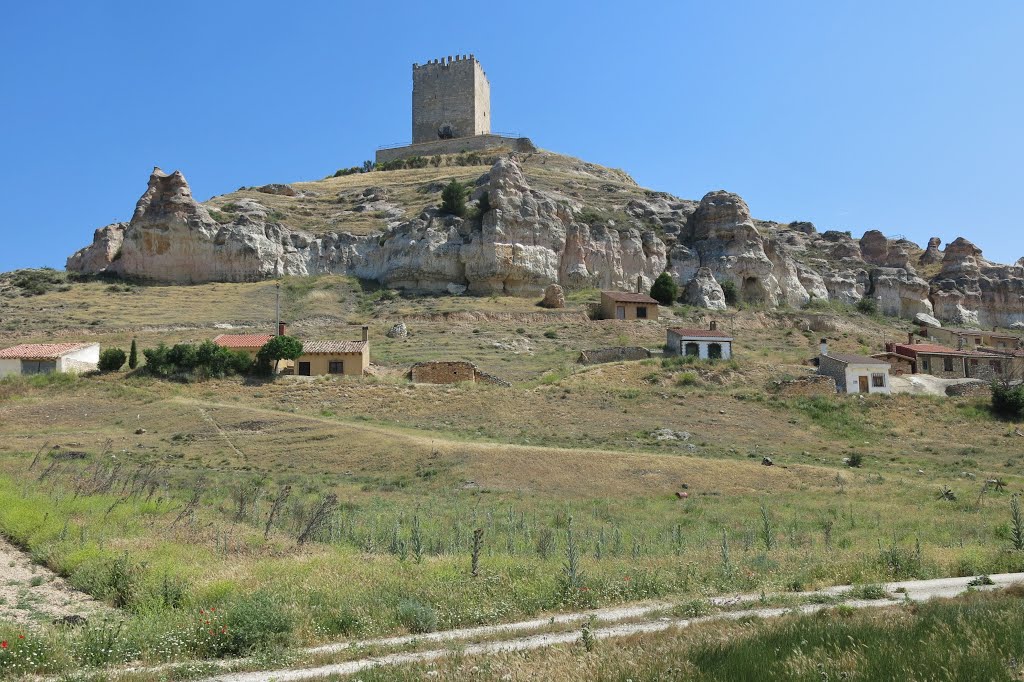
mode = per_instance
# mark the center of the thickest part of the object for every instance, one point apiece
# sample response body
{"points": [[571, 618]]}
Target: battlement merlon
{"points": [[444, 62]]}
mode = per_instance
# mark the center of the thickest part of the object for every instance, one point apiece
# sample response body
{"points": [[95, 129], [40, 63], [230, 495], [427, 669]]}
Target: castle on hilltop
{"points": [[451, 111]]}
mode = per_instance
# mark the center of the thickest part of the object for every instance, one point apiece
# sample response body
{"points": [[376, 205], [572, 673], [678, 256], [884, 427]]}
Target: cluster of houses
{"points": [[318, 357], [944, 352]]}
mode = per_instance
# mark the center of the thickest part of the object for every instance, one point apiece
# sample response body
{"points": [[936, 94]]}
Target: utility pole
{"points": [[278, 306]]}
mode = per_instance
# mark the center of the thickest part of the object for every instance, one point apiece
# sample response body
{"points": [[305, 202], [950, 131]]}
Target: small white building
{"points": [[43, 358], [706, 344], [854, 373]]}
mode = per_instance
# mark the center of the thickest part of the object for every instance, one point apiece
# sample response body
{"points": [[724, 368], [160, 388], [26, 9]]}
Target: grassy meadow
{"points": [[289, 513]]}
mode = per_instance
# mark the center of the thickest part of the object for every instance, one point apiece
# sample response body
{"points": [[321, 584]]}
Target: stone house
{"points": [[854, 373], [970, 339], [706, 344], [624, 305], [949, 363], [451, 372], [351, 358], [898, 364], [44, 358]]}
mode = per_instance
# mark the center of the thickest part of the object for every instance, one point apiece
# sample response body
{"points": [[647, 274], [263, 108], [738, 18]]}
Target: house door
{"points": [[620, 312], [863, 384], [304, 369]]}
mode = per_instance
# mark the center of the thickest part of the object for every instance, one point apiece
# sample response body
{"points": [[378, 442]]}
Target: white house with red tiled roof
{"points": [[43, 358], [706, 344]]}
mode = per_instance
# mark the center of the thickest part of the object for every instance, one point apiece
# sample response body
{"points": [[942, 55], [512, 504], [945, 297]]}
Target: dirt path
{"points": [[914, 590], [30, 593]]}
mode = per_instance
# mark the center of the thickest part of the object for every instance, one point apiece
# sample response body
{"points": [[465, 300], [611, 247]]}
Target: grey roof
{"points": [[856, 359]]}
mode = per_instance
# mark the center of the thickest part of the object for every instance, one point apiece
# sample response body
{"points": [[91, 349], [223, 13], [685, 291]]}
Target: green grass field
{"points": [[310, 512]]}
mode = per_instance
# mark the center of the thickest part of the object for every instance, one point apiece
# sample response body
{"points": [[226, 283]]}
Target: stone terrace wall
{"points": [[476, 143], [814, 385], [615, 354], [972, 388]]}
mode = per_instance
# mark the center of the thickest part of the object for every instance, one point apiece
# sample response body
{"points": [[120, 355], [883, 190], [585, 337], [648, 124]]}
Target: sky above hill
{"points": [[904, 117]]}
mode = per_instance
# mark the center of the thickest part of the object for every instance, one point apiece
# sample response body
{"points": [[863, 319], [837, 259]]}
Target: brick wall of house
{"points": [[831, 367], [815, 385], [443, 372]]}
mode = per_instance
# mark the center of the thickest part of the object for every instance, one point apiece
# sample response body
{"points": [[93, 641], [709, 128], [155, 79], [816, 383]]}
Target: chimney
{"points": [[910, 338], [639, 284], [280, 329], [824, 346], [714, 325], [366, 333], [890, 347]]}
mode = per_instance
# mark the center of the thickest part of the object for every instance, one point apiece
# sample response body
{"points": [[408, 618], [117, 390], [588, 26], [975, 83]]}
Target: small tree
{"points": [[277, 349], [453, 198], [665, 290], [111, 360], [133, 356], [732, 295]]}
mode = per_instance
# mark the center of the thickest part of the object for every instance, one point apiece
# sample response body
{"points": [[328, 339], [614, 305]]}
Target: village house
{"points": [[948, 363], [970, 339], [854, 373], [706, 344], [625, 305], [319, 358], [43, 358]]}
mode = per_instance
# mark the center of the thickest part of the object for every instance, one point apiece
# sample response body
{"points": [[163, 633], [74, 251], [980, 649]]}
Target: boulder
{"points": [[926, 319], [554, 297], [874, 247], [705, 291], [397, 331], [279, 189]]}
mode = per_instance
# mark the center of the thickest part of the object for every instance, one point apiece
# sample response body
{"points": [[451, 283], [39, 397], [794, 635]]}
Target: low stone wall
{"points": [[472, 143], [451, 372], [969, 389], [615, 354], [814, 385]]}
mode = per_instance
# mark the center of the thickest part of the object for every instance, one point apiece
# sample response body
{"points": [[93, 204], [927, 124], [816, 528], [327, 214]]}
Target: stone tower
{"points": [[451, 98]]}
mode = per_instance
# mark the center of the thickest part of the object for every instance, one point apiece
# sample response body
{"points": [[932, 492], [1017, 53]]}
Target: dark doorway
{"points": [[692, 349], [303, 369], [714, 351]]}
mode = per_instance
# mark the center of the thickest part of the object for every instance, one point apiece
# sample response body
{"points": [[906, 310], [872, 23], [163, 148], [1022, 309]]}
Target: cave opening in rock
{"points": [[751, 291]]}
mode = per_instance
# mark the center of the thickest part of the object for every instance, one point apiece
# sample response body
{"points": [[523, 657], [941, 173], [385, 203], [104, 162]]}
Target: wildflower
{"points": [[213, 609], [3, 644], [211, 632], [627, 578], [21, 636]]}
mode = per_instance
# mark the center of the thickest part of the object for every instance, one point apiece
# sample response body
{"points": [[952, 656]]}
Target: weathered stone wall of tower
{"points": [[450, 98]]}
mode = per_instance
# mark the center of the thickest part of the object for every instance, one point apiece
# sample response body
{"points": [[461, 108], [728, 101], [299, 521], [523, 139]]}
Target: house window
{"points": [[878, 380], [692, 349], [715, 351], [977, 341], [947, 364], [641, 312], [336, 367], [997, 366], [926, 365]]}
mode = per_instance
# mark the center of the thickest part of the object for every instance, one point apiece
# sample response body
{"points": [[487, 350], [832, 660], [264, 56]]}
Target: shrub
{"points": [[133, 356], [732, 294], [205, 360], [868, 306], [111, 360], [417, 616], [855, 460], [256, 621], [1008, 401], [665, 290], [687, 379], [549, 334], [453, 198]]}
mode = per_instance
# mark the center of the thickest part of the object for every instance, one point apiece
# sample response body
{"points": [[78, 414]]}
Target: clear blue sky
{"points": [[906, 117]]}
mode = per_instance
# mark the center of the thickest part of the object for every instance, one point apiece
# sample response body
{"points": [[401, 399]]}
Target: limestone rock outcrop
{"points": [[531, 236], [704, 291], [554, 297]]}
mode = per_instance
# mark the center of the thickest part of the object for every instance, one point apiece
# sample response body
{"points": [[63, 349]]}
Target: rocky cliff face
{"points": [[528, 238]]}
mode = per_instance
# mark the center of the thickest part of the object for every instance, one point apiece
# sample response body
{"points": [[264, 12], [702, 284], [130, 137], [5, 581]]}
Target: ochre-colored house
{"points": [[350, 358], [625, 305]]}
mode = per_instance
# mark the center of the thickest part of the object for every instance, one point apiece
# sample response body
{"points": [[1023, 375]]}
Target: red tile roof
{"points": [[912, 349], [700, 333], [314, 347], [628, 297], [40, 351], [243, 341]]}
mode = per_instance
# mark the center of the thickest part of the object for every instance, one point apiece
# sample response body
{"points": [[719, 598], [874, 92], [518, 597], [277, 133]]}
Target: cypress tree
{"points": [[133, 356]]}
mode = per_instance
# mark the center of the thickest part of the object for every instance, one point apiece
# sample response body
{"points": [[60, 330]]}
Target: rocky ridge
{"points": [[528, 237]]}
